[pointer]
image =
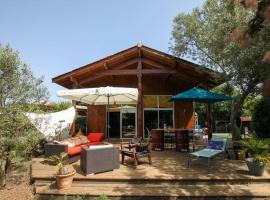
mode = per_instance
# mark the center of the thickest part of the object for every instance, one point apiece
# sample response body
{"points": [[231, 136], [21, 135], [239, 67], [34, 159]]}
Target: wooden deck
{"points": [[167, 176]]}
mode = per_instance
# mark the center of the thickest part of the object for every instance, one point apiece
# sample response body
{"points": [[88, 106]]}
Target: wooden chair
{"points": [[136, 151]]}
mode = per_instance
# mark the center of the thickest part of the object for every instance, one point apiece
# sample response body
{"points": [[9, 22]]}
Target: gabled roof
{"points": [[154, 63]]}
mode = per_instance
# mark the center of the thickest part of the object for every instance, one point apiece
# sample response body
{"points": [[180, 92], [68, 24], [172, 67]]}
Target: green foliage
{"points": [[250, 104], [60, 160], [261, 118], [19, 89], [262, 158], [19, 137], [103, 197], [258, 148], [18, 83], [203, 37], [62, 105]]}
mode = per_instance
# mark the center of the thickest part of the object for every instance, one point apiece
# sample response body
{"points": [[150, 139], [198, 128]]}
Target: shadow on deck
{"points": [[167, 176]]}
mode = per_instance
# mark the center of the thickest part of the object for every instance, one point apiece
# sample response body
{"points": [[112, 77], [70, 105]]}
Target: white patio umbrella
{"points": [[102, 96]]}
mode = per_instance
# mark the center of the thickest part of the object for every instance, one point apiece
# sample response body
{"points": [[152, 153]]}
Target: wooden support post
{"points": [[73, 125], [140, 109], [140, 101]]}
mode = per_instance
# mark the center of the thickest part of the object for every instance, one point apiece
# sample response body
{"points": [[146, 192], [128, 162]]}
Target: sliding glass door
{"points": [[129, 126]]}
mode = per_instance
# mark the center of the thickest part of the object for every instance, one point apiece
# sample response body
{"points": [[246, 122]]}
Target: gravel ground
{"points": [[17, 184]]}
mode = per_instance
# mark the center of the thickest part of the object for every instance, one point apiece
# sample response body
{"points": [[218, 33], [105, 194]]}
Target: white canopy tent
{"points": [[53, 124], [102, 96]]}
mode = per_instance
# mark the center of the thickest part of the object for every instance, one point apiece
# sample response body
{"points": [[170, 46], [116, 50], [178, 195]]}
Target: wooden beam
{"points": [[96, 76], [140, 100], [135, 72], [140, 51], [155, 64], [75, 83], [125, 64], [175, 64], [106, 66]]}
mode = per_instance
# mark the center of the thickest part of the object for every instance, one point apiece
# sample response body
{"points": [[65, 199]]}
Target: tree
{"points": [[261, 118], [203, 36], [256, 24], [18, 87]]}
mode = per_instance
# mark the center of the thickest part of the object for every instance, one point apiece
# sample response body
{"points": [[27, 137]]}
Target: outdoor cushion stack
{"points": [[74, 143]]}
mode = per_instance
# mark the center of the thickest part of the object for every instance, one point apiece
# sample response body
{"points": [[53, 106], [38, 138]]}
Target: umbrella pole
{"points": [[193, 132], [194, 105]]}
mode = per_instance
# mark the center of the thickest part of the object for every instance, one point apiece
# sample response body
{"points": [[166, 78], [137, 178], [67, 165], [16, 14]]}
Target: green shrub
{"points": [[258, 148], [261, 118]]}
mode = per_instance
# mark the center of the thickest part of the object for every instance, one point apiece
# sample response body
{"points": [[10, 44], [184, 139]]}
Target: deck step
{"points": [[156, 190], [210, 180]]}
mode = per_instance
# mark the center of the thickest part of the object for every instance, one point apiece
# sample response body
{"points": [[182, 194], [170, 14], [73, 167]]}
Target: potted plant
{"points": [[258, 155], [64, 175]]}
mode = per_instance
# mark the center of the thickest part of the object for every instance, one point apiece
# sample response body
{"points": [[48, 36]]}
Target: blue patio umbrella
{"points": [[199, 95]]}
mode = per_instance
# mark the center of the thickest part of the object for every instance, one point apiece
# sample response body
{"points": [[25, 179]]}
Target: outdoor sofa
{"points": [[73, 146]]}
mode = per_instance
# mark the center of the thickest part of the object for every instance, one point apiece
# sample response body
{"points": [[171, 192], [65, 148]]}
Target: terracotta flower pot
{"points": [[255, 168], [64, 181]]}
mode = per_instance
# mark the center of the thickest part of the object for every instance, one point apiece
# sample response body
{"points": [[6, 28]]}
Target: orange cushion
{"points": [[74, 150], [95, 137]]}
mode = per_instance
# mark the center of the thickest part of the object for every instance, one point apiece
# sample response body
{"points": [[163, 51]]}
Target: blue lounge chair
{"points": [[214, 148]]}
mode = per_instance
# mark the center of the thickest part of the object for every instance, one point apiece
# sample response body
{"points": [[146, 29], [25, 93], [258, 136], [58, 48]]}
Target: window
{"points": [[158, 112], [165, 118], [164, 102], [150, 101]]}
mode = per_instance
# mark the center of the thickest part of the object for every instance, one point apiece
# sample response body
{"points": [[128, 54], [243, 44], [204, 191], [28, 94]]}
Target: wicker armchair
{"points": [[136, 151]]}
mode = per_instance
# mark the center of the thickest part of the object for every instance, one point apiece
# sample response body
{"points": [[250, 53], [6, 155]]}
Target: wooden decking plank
{"points": [[166, 166], [254, 190]]}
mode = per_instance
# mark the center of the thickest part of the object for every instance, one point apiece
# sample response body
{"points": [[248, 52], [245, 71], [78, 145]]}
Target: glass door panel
{"points": [[150, 121], [114, 124], [165, 119], [128, 123]]}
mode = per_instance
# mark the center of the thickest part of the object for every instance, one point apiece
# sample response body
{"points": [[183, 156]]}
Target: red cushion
{"points": [[74, 150], [95, 137], [93, 143]]}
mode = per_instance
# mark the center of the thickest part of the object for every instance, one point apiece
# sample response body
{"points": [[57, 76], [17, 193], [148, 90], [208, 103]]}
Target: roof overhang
{"points": [[154, 63]]}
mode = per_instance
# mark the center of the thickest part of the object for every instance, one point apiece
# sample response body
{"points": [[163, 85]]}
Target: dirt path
{"points": [[18, 186]]}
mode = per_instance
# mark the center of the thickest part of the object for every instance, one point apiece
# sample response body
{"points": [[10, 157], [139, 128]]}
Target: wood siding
{"points": [[183, 115], [97, 119]]}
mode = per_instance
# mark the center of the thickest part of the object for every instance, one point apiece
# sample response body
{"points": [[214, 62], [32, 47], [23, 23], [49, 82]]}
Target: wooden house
{"points": [[156, 74]]}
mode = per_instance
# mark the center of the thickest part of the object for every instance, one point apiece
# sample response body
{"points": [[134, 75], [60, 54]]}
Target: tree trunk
{"points": [[235, 129], [235, 111], [3, 165]]}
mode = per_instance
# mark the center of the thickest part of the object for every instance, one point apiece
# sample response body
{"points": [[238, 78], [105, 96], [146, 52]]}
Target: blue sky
{"points": [[56, 36]]}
